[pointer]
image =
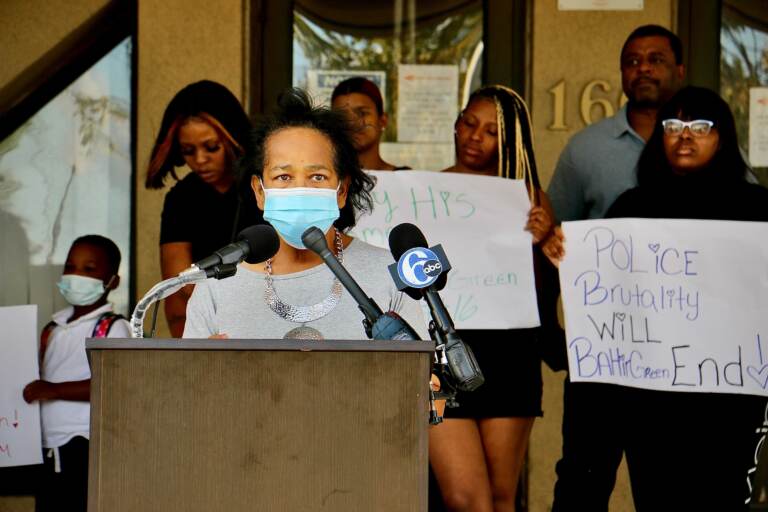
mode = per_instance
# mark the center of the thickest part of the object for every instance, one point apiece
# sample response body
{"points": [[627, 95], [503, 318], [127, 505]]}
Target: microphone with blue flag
{"points": [[378, 325], [420, 272]]}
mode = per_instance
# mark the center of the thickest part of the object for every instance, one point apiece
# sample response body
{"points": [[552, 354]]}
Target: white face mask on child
{"points": [[81, 290]]}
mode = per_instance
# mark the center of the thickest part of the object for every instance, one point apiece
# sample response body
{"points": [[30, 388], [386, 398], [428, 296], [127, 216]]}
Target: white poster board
{"points": [[479, 221], [758, 126], [322, 82], [427, 104], [673, 305], [20, 437]]}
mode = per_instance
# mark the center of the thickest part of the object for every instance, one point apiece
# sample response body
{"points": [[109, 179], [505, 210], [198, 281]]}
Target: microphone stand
{"points": [[442, 370], [170, 286]]}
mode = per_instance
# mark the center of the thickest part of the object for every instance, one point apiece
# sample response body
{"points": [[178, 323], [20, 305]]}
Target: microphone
{"points": [[406, 236], [253, 244], [378, 325], [421, 272]]}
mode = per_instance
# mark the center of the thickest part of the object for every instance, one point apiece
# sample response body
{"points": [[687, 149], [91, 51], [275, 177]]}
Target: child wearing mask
{"points": [[90, 273]]}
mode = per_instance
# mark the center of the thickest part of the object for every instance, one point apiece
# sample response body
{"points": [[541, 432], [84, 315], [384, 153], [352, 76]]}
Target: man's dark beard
{"points": [[644, 104], [648, 103]]}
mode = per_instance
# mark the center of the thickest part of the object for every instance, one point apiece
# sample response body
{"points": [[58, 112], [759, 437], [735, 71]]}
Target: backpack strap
{"points": [[104, 324], [45, 336]]}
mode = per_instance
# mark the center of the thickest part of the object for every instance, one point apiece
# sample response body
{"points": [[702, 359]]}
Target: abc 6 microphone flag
{"points": [[419, 267]]}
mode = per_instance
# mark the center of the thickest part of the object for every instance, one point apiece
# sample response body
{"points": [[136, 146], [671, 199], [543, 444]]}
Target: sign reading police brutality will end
{"points": [[675, 305], [479, 221]]}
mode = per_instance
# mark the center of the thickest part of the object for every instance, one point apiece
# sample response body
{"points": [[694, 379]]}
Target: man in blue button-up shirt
{"points": [[599, 162]]}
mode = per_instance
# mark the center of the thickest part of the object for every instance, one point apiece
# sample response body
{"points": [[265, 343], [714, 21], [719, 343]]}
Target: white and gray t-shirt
{"points": [[237, 307]]}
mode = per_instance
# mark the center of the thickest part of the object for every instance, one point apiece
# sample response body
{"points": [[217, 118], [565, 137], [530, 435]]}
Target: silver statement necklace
{"points": [[302, 314]]}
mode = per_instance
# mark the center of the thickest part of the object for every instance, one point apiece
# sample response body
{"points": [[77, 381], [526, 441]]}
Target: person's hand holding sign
{"points": [[539, 224], [554, 247]]}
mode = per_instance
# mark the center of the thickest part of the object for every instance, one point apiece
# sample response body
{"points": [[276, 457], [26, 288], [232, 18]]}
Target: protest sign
{"points": [[20, 441], [675, 305], [479, 221]]}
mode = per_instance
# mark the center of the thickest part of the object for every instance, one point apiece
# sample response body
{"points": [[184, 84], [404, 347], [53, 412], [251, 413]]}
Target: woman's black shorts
{"points": [[511, 364]]}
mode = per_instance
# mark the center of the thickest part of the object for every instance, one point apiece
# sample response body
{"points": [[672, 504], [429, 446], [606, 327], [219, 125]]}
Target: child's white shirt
{"points": [[65, 360]]}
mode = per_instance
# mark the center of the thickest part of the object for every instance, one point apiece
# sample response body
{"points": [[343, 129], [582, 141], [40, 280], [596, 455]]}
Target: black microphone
{"points": [[419, 272], [378, 325], [405, 237], [254, 244]]}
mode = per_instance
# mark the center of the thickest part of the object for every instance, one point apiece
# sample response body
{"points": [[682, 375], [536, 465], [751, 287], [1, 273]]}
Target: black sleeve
{"points": [[176, 224], [551, 335], [756, 201]]}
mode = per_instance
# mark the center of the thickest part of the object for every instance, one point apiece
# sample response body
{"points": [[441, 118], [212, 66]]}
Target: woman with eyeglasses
{"points": [[690, 451]]}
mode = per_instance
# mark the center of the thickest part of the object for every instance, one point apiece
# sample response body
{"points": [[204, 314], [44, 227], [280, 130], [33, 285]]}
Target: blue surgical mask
{"points": [[80, 290], [292, 211]]}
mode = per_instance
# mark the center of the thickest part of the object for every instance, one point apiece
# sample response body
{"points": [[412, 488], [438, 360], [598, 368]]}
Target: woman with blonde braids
{"points": [[477, 453]]}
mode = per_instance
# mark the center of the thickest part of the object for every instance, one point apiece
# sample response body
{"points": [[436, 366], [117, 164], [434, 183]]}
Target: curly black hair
{"points": [[295, 110]]}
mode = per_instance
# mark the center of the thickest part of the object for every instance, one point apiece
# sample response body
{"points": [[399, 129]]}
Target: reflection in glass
{"points": [[65, 173], [744, 62], [374, 40]]}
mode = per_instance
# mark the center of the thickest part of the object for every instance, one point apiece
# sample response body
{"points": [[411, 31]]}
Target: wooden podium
{"points": [[272, 425]]}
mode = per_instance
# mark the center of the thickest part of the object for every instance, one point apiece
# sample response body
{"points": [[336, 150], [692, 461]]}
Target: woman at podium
{"points": [[302, 168]]}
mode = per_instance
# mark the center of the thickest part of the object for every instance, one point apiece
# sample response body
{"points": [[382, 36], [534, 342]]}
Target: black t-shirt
{"points": [[195, 212], [694, 198]]}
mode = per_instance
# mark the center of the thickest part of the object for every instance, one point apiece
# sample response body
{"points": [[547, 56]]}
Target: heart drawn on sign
{"points": [[620, 316], [654, 247], [760, 376]]}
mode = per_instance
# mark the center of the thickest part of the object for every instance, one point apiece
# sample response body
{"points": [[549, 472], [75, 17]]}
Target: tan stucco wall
{"points": [[575, 47], [179, 41], [22, 41]]}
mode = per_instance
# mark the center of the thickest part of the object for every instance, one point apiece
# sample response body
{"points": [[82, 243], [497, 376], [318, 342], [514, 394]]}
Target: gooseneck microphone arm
{"points": [[254, 244], [160, 291]]}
